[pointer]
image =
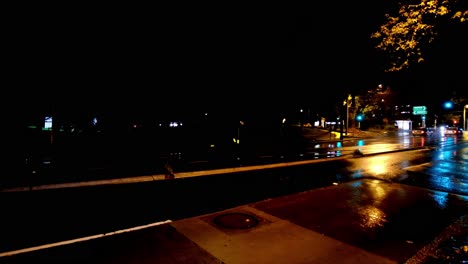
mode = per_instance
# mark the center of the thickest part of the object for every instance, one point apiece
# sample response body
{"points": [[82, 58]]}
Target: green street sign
{"points": [[419, 110]]}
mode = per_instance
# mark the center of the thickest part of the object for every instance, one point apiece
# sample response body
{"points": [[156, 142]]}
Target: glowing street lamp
{"points": [[348, 104], [464, 116]]}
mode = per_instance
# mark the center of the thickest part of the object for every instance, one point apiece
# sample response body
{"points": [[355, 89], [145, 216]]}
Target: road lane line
{"points": [[66, 242]]}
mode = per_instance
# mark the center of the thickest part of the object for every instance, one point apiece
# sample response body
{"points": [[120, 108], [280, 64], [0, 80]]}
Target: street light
{"points": [[464, 117], [348, 104]]}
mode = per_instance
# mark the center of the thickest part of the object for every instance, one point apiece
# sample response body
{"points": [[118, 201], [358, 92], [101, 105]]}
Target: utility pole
{"points": [[341, 128], [464, 116], [348, 104]]}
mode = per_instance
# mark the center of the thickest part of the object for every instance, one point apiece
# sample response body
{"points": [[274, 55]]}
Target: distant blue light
{"points": [[448, 105], [360, 143]]}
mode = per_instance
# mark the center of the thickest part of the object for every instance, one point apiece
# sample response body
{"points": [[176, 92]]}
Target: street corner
{"points": [[451, 246]]}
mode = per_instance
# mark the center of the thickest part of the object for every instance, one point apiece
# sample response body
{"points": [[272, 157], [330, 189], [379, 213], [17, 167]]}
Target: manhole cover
{"points": [[236, 220]]}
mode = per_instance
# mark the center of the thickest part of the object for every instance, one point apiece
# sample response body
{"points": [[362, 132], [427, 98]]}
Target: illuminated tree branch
{"points": [[405, 36]]}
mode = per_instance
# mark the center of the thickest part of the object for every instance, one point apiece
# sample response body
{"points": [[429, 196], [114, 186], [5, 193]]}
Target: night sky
{"points": [[193, 57]]}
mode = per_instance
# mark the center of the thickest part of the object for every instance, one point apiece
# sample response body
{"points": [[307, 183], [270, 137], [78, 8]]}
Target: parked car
{"points": [[422, 131], [453, 131]]}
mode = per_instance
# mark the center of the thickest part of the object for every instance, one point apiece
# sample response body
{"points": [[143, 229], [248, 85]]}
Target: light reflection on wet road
{"points": [[375, 205], [446, 171], [389, 219], [442, 163]]}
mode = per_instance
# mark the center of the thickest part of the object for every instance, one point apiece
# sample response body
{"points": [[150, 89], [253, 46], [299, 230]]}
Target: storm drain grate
{"points": [[236, 220]]}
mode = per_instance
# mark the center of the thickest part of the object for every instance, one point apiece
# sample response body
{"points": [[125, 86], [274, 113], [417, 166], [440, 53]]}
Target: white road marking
{"points": [[66, 242]]}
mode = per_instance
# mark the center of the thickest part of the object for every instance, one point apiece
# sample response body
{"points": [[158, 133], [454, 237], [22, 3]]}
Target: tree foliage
{"points": [[405, 36], [376, 104]]}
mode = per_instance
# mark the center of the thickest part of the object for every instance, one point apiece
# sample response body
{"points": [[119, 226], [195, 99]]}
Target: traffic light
{"points": [[359, 117], [448, 105]]}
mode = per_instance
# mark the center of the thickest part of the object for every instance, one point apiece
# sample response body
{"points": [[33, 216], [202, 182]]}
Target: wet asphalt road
{"points": [[379, 215], [38, 218]]}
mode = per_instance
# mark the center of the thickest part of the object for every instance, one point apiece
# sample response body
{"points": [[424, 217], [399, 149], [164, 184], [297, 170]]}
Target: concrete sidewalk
{"points": [[329, 225], [272, 240]]}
